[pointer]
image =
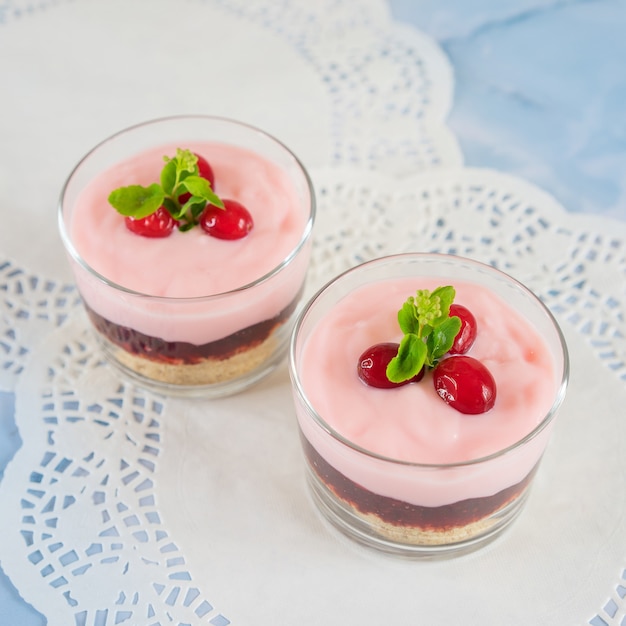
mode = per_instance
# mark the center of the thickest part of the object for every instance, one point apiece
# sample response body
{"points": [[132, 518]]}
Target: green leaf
{"points": [[408, 362], [197, 209], [445, 297], [407, 317], [137, 201], [168, 177], [172, 207], [194, 207], [201, 187], [442, 338]]}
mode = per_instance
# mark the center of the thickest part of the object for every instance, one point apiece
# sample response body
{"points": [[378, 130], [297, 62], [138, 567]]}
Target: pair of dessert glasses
{"points": [[219, 344]]}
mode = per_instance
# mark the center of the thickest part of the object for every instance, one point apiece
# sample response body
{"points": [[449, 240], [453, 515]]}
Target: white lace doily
{"points": [[125, 507], [142, 506]]}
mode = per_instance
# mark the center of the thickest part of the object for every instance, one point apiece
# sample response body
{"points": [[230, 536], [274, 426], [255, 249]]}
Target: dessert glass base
{"points": [[189, 313], [209, 378], [399, 469], [426, 541]]}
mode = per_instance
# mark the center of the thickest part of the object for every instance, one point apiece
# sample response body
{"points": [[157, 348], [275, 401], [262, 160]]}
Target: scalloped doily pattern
{"points": [[391, 87], [93, 442], [88, 516], [30, 306]]}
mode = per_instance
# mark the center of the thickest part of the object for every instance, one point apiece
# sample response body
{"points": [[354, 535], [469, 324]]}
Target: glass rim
{"points": [[547, 419], [306, 234]]}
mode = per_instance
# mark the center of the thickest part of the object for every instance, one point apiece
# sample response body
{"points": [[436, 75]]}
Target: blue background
{"points": [[540, 92]]}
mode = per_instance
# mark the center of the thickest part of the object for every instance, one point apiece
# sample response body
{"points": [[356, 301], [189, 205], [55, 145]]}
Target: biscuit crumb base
{"points": [[207, 372], [416, 536], [344, 514], [377, 519], [405, 534]]}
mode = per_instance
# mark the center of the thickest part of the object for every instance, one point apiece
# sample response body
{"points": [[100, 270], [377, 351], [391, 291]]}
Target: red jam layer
{"points": [[399, 513], [181, 352]]}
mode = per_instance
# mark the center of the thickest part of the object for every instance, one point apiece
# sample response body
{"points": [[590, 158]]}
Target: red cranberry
{"points": [[205, 170], [232, 222], [372, 366], [158, 224], [466, 336], [465, 384]]}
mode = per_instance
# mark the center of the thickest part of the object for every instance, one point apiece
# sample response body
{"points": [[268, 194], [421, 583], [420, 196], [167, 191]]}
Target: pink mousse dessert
{"points": [[191, 296], [423, 466]]}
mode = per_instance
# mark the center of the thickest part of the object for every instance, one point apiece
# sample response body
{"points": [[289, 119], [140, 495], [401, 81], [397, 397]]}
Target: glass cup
{"points": [[398, 469], [210, 342]]}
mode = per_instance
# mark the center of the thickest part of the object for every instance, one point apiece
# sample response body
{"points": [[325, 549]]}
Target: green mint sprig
{"points": [[179, 178], [429, 332]]}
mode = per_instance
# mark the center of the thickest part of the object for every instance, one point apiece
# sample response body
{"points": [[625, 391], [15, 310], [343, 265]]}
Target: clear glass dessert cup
{"points": [[404, 506], [207, 345]]}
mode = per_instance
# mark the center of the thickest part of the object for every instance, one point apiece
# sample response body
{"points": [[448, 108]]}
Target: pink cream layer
{"points": [[192, 265], [411, 423]]}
